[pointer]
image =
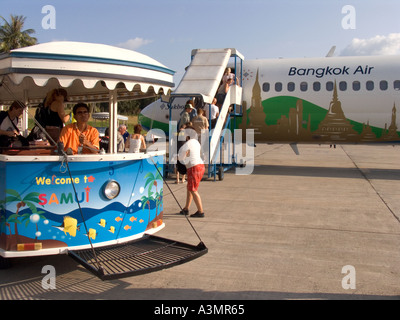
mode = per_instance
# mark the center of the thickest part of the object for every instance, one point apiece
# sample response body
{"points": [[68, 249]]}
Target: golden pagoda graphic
{"points": [[257, 116], [391, 133], [291, 127], [335, 126], [367, 135]]}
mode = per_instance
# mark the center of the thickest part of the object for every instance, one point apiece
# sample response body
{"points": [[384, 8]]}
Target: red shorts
{"points": [[194, 176]]}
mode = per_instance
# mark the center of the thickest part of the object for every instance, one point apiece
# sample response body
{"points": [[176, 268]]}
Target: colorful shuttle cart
{"points": [[102, 209]]}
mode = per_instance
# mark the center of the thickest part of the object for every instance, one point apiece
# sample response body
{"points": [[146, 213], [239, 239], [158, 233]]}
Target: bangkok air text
{"points": [[330, 71]]}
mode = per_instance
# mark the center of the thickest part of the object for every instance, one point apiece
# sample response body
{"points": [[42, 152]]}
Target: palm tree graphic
{"points": [[146, 201], [150, 182], [29, 200]]}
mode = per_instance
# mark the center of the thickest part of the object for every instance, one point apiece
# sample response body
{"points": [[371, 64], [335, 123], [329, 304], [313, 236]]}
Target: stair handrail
{"points": [[233, 96]]}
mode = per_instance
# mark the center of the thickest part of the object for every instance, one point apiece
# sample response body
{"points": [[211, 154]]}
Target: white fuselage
{"points": [[344, 96]]}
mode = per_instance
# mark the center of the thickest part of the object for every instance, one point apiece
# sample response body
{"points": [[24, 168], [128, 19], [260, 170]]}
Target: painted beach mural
{"points": [[40, 209]]}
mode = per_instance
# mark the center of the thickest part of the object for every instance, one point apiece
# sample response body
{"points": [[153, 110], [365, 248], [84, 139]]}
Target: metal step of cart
{"points": [[147, 254]]}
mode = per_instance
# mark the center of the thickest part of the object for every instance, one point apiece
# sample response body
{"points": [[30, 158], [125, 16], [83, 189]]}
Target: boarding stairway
{"points": [[202, 80]]}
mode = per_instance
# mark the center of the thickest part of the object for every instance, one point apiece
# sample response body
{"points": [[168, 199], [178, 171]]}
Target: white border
{"points": [[82, 157]]}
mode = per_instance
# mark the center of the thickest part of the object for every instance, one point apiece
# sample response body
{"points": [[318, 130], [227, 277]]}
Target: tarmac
{"points": [[324, 224]]}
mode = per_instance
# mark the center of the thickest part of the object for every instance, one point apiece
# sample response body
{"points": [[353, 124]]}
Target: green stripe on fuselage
{"points": [[148, 124]]}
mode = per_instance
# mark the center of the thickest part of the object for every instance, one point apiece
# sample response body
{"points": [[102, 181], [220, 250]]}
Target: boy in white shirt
{"points": [[190, 155]]}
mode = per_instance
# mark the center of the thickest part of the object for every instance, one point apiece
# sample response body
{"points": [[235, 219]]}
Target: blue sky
{"points": [[167, 30]]}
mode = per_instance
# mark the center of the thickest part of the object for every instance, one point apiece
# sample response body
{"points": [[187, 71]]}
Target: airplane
{"points": [[334, 100]]}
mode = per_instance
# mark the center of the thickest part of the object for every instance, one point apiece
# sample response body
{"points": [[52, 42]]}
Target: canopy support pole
{"points": [[113, 108], [25, 115]]}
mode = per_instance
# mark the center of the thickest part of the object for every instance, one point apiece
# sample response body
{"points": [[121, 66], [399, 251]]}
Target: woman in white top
{"points": [[136, 140]]}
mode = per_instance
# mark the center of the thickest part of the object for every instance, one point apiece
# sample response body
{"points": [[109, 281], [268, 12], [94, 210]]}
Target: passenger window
{"points": [[266, 86], [291, 86], [370, 85], [329, 86], [356, 85], [396, 85], [383, 85], [278, 86], [303, 86], [342, 85], [317, 86]]}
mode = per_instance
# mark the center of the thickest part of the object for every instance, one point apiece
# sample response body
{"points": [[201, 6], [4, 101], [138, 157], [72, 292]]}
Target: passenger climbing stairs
{"points": [[202, 80]]}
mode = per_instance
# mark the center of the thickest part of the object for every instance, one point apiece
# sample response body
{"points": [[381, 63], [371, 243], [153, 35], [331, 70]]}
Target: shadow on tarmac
{"points": [[23, 281], [327, 172]]}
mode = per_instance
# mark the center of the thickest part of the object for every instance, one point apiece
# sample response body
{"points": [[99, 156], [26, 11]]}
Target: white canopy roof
{"points": [[87, 71]]}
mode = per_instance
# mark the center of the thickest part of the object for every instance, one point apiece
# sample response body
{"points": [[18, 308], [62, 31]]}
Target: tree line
{"points": [[126, 108]]}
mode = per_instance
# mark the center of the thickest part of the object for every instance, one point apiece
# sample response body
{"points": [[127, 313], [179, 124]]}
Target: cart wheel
{"points": [[5, 263], [220, 174]]}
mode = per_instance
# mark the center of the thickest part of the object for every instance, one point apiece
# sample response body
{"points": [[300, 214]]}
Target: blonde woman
{"points": [[55, 103]]}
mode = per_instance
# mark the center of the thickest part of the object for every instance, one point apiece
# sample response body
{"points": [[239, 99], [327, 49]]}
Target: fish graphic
{"points": [[141, 220], [69, 225], [92, 234], [118, 219], [102, 223], [112, 229], [132, 219], [127, 227]]}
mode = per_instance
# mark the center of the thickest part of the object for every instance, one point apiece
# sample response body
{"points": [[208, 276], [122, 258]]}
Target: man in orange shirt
{"points": [[79, 136]]}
